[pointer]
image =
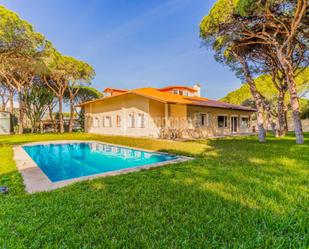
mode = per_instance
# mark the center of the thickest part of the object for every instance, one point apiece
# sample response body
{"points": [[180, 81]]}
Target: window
{"points": [[244, 122], [131, 123], [202, 119], [118, 121], [222, 121], [108, 94], [180, 92], [96, 122], [141, 120], [175, 91], [107, 121], [186, 93]]}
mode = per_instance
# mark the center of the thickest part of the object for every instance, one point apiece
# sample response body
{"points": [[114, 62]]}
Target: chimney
{"points": [[197, 87]]}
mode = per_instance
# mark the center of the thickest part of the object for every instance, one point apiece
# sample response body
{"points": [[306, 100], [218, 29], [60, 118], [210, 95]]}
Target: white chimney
{"points": [[197, 87]]}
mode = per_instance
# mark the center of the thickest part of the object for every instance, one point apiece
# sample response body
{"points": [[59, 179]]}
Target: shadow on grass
{"points": [[268, 175], [237, 193], [162, 208]]}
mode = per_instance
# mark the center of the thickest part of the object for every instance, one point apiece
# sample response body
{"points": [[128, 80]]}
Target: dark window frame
{"points": [[222, 123]]}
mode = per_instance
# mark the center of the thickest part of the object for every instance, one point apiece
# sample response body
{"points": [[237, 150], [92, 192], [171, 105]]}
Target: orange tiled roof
{"points": [[217, 104], [114, 90], [178, 87], [166, 97], [161, 96]]}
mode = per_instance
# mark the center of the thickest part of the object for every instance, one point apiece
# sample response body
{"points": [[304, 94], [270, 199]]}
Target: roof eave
{"points": [[228, 108]]}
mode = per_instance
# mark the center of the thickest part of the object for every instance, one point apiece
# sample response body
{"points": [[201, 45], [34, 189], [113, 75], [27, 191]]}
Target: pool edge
{"points": [[35, 179]]}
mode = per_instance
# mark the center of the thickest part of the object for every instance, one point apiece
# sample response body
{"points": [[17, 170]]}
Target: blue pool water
{"points": [[66, 161]]}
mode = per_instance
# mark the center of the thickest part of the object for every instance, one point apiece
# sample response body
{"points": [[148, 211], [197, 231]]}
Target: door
{"points": [[234, 124]]}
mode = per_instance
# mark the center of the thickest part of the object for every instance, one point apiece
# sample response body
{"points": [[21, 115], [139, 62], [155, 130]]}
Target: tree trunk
{"points": [[50, 110], [295, 110], [261, 129], [21, 113], [286, 120], [273, 125], [281, 114], [61, 127], [71, 114], [260, 116], [3, 106], [11, 96], [287, 66], [258, 100], [41, 127]]}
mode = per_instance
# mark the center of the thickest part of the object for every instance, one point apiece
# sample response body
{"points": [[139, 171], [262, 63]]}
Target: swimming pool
{"points": [[66, 161]]}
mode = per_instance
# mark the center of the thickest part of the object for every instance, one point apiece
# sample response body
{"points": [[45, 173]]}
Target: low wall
{"points": [[305, 124]]}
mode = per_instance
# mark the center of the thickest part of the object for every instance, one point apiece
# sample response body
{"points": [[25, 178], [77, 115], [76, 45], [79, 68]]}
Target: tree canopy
{"points": [[265, 85], [26, 56], [258, 37]]}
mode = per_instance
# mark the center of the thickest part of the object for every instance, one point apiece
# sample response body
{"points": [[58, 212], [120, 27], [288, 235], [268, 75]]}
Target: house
{"points": [[5, 123], [174, 111]]}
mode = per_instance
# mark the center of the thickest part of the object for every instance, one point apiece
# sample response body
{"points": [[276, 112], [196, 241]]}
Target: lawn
{"points": [[237, 193]]}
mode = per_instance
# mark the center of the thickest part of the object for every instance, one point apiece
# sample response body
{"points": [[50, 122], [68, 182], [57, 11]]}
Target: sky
{"points": [[132, 43]]}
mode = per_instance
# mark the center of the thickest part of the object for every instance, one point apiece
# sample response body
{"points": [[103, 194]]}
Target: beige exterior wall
{"points": [[123, 106], [177, 111], [157, 113], [159, 117], [212, 129]]}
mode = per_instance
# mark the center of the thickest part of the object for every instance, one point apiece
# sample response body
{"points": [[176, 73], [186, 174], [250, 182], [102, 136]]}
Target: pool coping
{"points": [[35, 179]]}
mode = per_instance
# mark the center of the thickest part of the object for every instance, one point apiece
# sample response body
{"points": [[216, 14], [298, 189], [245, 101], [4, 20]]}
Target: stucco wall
{"points": [[305, 124], [213, 129], [159, 118], [177, 111], [123, 106]]}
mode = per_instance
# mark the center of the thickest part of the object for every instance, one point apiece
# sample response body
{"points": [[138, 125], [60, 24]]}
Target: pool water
{"points": [[72, 160]]}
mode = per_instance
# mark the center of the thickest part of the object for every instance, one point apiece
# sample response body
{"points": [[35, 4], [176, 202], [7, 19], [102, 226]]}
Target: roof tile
{"points": [[167, 97]]}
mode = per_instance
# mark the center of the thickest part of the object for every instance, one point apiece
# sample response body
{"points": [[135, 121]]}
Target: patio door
{"points": [[234, 124]]}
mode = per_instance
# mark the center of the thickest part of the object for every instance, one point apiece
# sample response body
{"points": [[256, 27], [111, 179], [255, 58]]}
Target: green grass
{"points": [[237, 193]]}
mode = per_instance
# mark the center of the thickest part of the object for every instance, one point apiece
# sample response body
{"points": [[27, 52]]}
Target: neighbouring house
{"points": [[170, 112], [5, 123]]}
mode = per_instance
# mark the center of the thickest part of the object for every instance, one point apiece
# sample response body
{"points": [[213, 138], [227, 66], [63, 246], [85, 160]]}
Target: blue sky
{"points": [[132, 43]]}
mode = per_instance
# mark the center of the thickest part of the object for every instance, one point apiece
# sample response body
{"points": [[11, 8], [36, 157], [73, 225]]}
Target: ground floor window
{"points": [[202, 119], [96, 122], [222, 121], [131, 123], [244, 122], [107, 121], [118, 121], [141, 120]]}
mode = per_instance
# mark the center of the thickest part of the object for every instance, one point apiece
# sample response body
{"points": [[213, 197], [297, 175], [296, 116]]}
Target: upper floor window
{"points": [[182, 92], [222, 121], [141, 120], [107, 94]]}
